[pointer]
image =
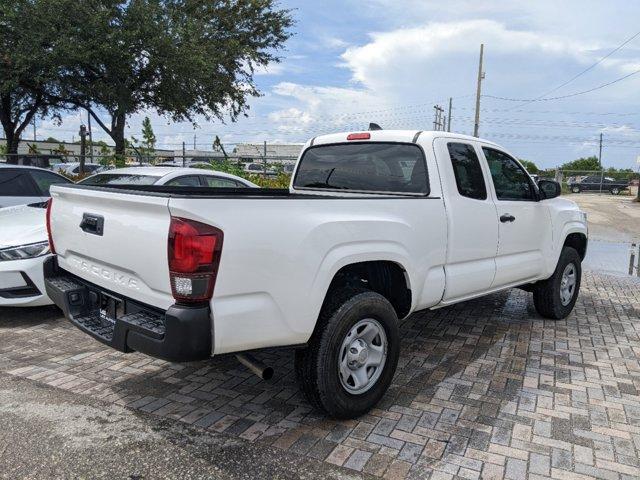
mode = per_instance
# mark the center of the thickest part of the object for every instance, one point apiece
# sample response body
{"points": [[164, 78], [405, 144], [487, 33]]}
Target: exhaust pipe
{"points": [[255, 365]]}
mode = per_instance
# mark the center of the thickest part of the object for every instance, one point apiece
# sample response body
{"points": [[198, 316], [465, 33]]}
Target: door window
{"points": [[16, 183], [509, 178], [188, 181], [44, 180], [219, 182], [467, 170]]}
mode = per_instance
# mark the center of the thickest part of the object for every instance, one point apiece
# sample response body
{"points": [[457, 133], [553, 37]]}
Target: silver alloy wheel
{"points": [[575, 189], [362, 356], [615, 191], [568, 284]]}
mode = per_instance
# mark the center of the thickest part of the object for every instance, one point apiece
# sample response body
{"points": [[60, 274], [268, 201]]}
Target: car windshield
{"points": [[119, 179]]}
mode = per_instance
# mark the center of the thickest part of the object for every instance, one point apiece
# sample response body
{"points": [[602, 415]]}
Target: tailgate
{"points": [[115, 240]]}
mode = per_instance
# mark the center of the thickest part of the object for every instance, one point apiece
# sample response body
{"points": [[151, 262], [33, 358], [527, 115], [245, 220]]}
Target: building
{"points": [[282, 152]]}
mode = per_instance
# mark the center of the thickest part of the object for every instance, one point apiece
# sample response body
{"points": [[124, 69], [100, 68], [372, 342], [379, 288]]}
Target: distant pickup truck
{"points": [[596, 183], [375, 225]]}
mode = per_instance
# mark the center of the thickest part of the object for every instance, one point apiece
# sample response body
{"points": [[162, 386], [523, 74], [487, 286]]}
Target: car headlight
{"points": [[23, 252]]}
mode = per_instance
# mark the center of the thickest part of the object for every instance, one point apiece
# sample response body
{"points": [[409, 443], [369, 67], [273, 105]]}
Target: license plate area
{"points": [[111, 308]]}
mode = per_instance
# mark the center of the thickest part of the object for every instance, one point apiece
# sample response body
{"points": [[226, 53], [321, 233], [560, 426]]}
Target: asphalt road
{"points": [[49, 433]]}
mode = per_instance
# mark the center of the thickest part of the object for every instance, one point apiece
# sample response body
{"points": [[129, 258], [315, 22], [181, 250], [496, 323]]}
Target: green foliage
{"points": [[30, 59], [148, 137], [582, 164], [281, 180], [53, 140], [531, 167], [60, 149], [227, 166], [183, 59]]}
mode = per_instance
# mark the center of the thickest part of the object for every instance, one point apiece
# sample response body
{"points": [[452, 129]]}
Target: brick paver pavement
{"points": [[484, 389]]}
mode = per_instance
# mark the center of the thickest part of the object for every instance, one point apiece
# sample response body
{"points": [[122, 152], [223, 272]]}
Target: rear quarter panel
{"points": [[280, 255]]}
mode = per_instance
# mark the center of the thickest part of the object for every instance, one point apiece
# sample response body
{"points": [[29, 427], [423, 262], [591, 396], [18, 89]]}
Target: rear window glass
{"points": [[119, 179], [16, 183], [364, 167]]}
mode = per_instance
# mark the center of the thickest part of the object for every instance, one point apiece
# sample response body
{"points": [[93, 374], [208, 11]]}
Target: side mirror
{"points": [[549, 189]]}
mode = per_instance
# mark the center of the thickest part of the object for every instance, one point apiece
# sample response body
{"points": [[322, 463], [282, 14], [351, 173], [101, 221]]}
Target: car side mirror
{"points": [[549, 189]]}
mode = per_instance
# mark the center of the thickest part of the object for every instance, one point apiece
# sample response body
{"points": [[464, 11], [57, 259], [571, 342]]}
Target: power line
{"points": [[575, 94], [555, 89]]}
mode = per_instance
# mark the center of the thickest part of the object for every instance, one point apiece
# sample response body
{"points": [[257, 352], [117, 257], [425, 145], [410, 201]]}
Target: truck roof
{"points": [[393, 136]]}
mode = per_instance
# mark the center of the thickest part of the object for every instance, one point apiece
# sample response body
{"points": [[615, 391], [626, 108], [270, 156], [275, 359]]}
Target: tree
{"points": [[148, 137], [584, 164], [180, 58], [29, 63], [219, 147], [531, 167]]}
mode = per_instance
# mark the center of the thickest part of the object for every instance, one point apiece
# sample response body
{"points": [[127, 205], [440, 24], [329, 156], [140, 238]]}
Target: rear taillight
{"points": [[194, 256], [49, 205]]}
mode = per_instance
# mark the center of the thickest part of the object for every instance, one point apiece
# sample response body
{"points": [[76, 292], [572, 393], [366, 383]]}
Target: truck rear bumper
{"points": [[181, 334]]}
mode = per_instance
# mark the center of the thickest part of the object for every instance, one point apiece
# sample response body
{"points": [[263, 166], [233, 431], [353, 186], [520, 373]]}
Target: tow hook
{"points": [[255, 365]]}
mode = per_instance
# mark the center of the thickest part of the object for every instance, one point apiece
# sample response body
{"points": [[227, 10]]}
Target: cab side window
{"points": [[509, 178], [188, 181], [467, 170]]}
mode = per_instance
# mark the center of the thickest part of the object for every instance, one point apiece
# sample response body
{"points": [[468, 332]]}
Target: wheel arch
{"points": [[577, 241], [386, 277]]}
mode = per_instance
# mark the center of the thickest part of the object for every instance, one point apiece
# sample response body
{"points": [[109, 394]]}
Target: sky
{"points": [[352, 62]]}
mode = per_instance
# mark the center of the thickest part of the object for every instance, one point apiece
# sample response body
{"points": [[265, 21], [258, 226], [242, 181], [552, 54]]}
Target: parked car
{"points": [[73, 168], [38, 160], [21, 185], [597, 183], [23, 248], [258, 169], [375, 226], [169, 176]]}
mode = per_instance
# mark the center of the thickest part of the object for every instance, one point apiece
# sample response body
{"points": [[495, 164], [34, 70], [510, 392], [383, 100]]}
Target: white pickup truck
{"points": [[375, 225]]}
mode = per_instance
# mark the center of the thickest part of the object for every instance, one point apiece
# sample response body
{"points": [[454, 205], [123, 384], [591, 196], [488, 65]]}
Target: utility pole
{"points": [[264, 152], [83, 147], [90, 137], [449, 115], [600, 163], [34, 128], [439, 121], [476, 127], [184, 156], [600, 153], [194, 141]]}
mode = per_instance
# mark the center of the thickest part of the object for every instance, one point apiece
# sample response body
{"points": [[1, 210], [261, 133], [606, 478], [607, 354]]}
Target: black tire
{"points": [[575, 189], [546, 295], [317, 365]]}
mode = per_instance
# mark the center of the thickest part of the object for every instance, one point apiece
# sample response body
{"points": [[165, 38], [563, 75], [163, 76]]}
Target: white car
{"points": [[20, 185], [23, 248], [374, 226], [168, 176], [73, 168]]}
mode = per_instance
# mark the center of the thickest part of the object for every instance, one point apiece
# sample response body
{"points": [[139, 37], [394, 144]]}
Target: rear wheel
{"points": [[575, 189], [555, 297], [352, 355]]}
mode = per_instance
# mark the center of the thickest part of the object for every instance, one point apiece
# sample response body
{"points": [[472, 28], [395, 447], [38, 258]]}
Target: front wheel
{"points": [[352, 355], [555, 297], [575, 189], [615, 191]]}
